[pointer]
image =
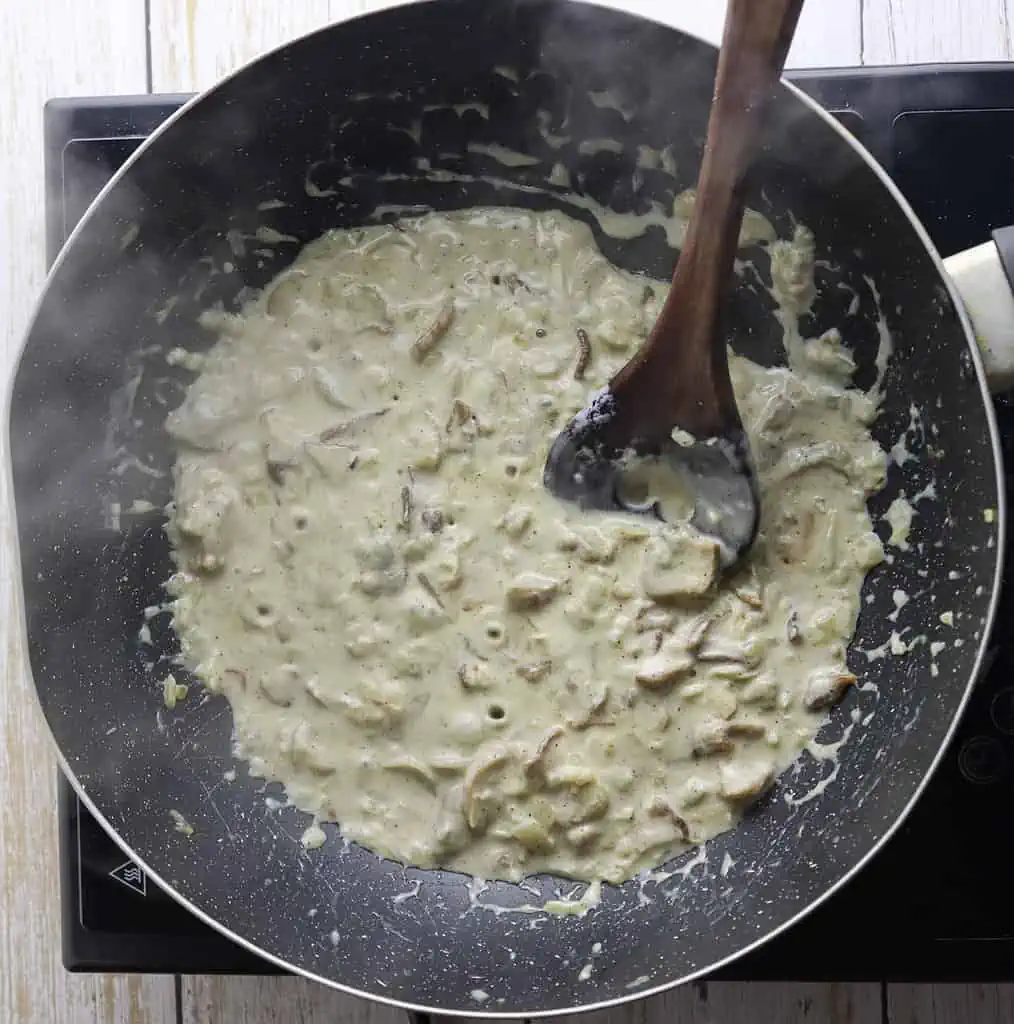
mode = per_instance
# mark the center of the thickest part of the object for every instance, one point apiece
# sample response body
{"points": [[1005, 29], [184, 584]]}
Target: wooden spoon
{"points": [[677, 384]]}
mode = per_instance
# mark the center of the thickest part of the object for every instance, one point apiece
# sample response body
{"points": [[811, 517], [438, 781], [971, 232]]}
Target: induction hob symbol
{"points": [[130, 875]]}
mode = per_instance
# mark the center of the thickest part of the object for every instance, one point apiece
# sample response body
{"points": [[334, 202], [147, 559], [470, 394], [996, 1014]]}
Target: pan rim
{"points": [[19, 619]]}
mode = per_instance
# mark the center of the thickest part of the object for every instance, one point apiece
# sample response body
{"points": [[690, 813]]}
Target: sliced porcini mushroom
{"points": [[828, 355], [794, 535], [743, 781], [206, 564], [338, 433], [581, 837], [680, 566], [534, 671], [329, 386], [722, 700], [232, 679], [692, 633], [535, 766], [826, 687], [761, 691], [747, 728], [413, 768], [515, 521], [450, 831], [478, 808], [379, 706], [792, 631], [426, 445], [588, 599], [590, 803], [424, 612], [653, 617], [694, 790], [533, 836], [531, 590], [318, 693], [305, 751], [596, 546], [463, 427], [592, 701], [659, 808], [729, 671], [448, 763], [434, 332], [692, 689], [433, 519], [831, 454], [780, 404], [664, 668], [751, 595], [711, 736], [204, 503], [280, 685], [380, 570], [625, 530], [417, 548], [722, 650], [290, 290], [474, 675], [676, 655]]}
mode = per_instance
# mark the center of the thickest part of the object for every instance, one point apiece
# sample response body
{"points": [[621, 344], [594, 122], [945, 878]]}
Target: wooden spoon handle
{"points": [[686, 351]]}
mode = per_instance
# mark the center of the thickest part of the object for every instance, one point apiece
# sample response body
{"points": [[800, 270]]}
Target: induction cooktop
{"points": [[937, 903]]}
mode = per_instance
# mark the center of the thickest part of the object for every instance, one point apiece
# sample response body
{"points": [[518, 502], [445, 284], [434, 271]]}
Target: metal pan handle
{"points": [[984, 278]]}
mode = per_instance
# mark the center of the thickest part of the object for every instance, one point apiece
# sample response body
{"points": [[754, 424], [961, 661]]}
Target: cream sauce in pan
{"points": [[423, 644]]}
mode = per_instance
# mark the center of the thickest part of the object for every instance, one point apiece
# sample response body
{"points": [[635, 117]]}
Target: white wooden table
{"points": [[70, 47]]}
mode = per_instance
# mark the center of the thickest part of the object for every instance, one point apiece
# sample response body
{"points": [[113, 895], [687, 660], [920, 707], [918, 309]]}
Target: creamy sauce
{"points": [[425, 646]]}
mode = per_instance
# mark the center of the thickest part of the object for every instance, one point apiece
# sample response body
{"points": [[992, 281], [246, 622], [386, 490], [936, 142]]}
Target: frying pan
{"points": [[387, 111]]}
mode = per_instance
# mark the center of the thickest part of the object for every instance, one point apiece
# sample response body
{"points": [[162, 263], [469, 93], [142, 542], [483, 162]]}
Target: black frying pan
{"points": [[92, 389]]}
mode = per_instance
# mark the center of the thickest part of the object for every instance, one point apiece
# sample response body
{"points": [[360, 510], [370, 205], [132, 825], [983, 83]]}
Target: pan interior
{"points": [[420, 107]]}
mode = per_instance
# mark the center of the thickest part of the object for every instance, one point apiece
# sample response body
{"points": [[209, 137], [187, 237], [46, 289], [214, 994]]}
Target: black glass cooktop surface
{"points": [[938, 903]]}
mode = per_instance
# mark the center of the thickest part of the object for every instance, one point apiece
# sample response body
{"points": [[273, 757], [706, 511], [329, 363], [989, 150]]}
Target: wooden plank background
{"points": [[65, 47]]}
